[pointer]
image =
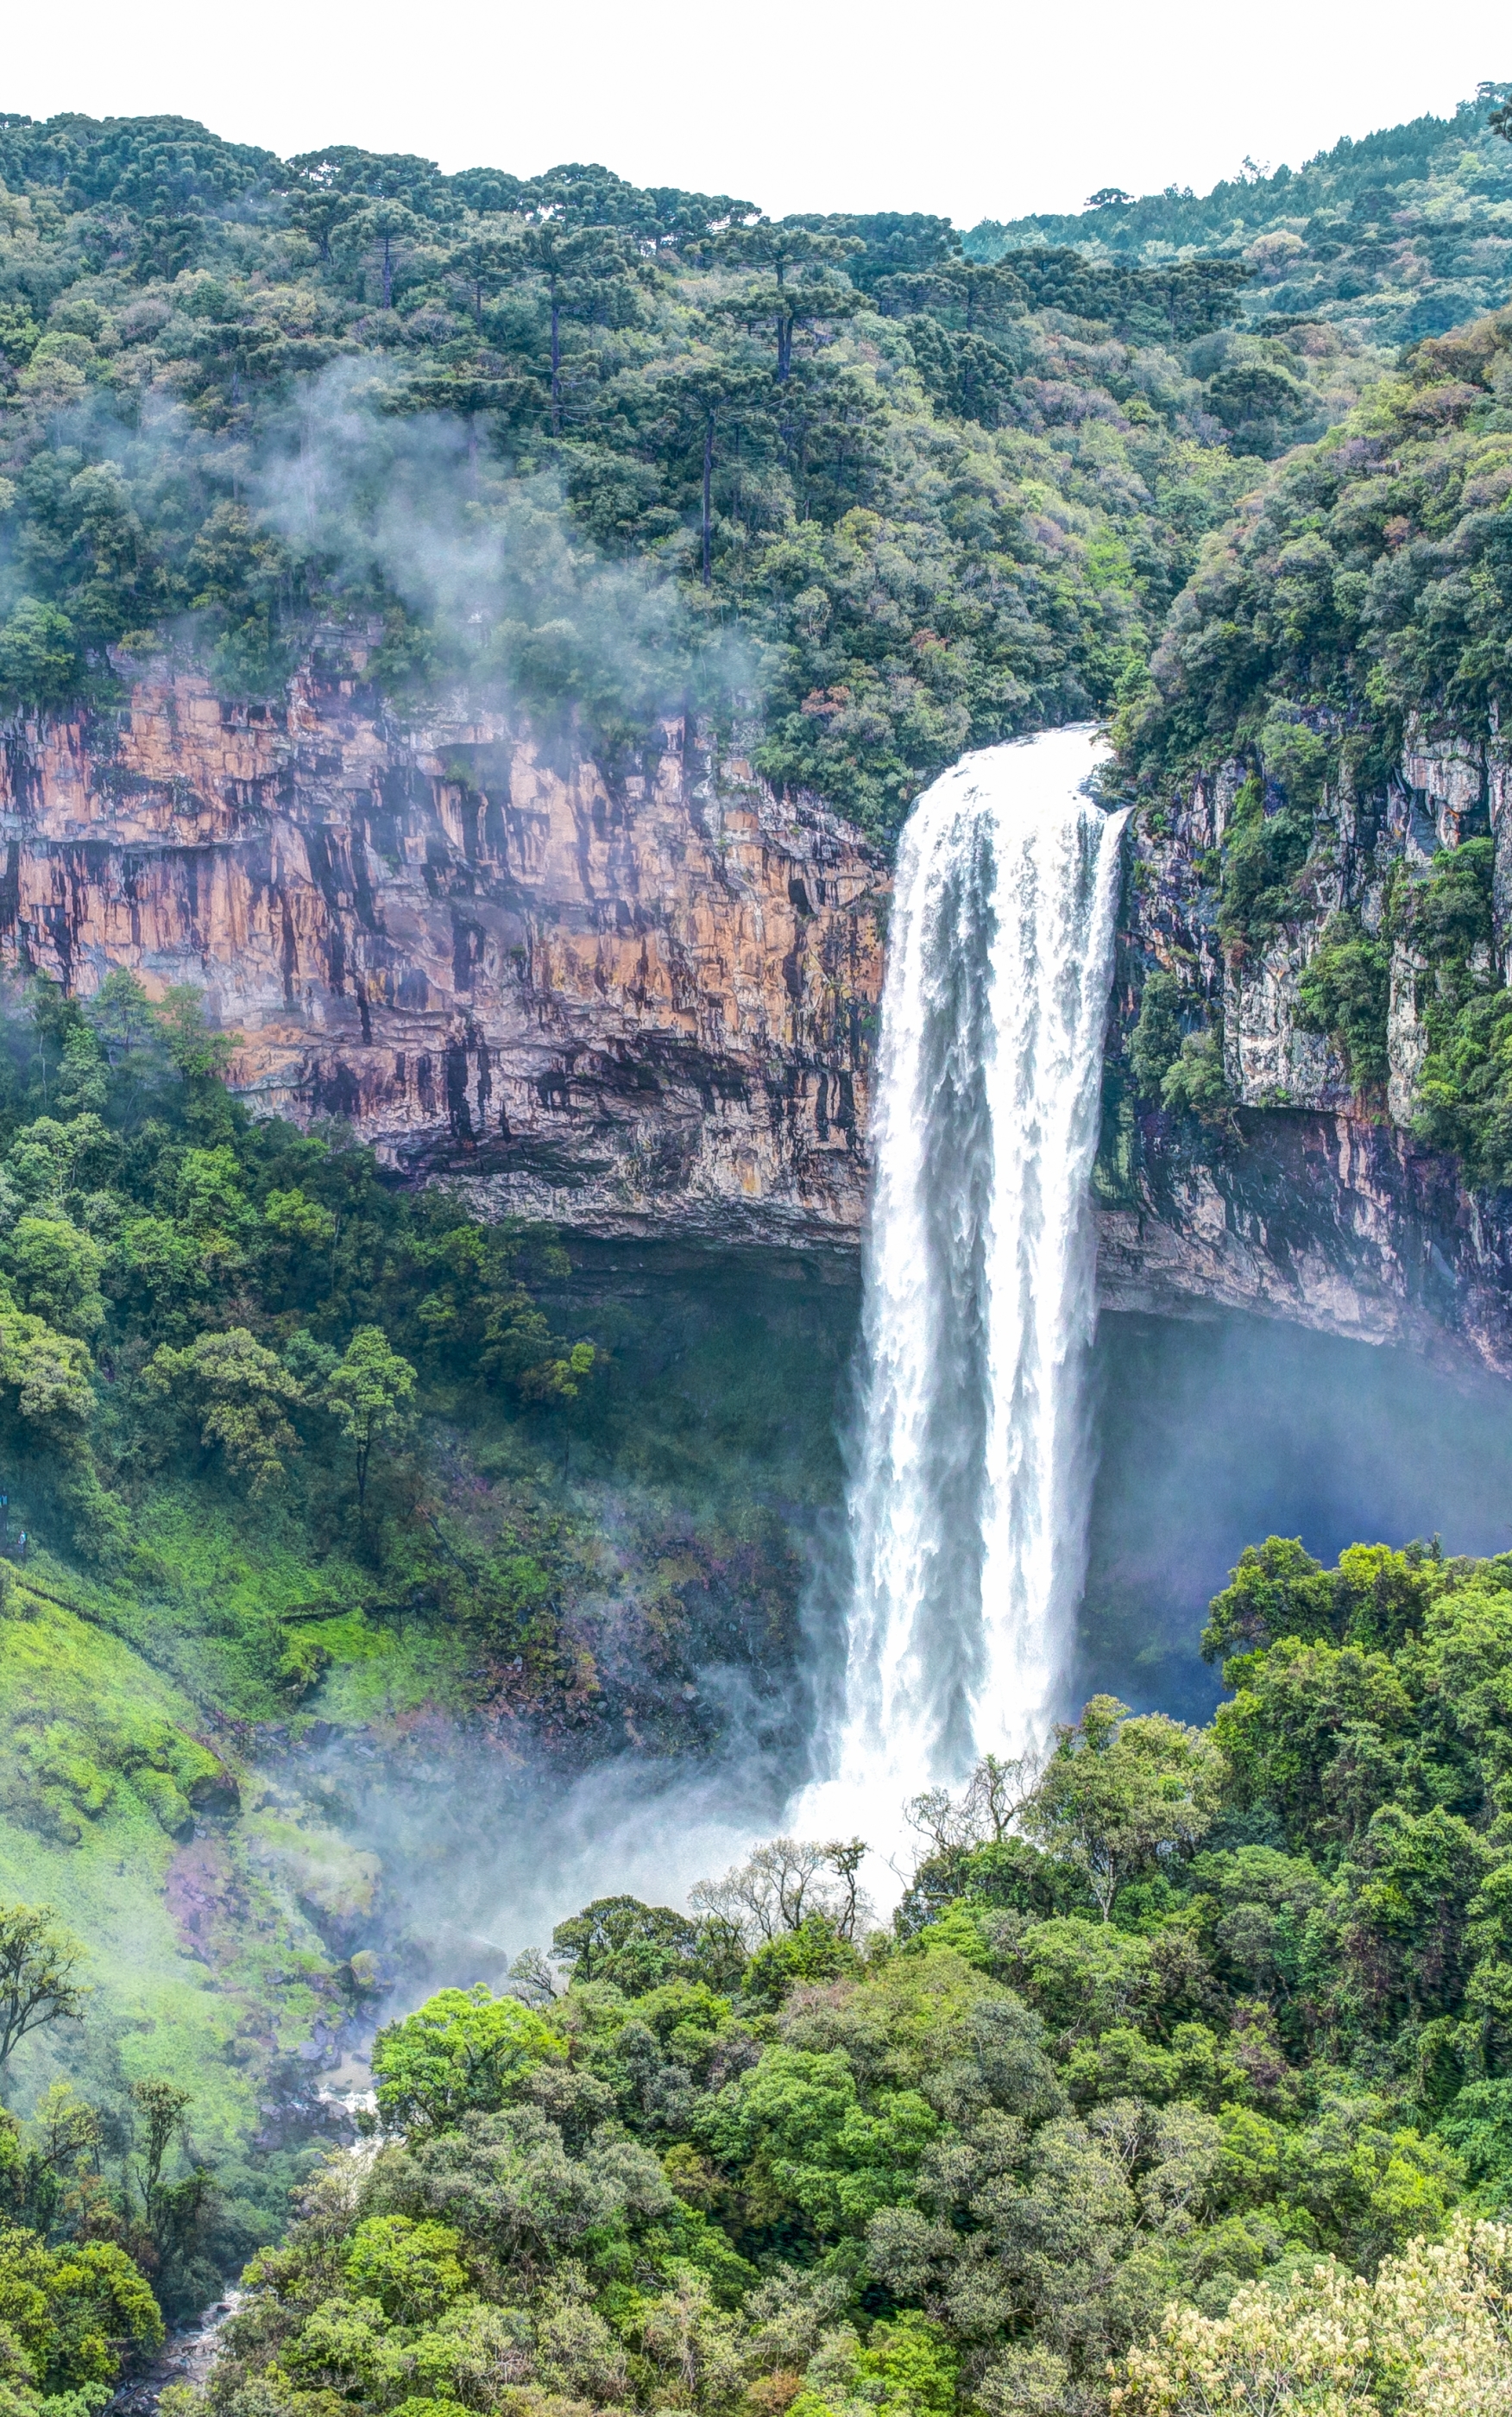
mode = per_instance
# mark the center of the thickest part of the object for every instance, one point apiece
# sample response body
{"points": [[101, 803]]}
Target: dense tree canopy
{"points": [[1171, 2054], [606, 451]]}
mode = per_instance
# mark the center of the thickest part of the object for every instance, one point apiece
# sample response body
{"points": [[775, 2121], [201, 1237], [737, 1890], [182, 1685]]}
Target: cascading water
{"points": [[968, 1501]]}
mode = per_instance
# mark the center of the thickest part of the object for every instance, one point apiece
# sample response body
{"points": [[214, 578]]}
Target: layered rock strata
{"points": [[636, 1002]]}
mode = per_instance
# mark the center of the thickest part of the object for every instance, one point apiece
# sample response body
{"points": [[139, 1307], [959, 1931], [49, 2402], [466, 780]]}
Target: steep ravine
{"points": [[642, 1002]]}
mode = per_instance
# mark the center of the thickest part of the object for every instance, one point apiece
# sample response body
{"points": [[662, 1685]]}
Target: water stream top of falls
{"points": [[971, 1461]]}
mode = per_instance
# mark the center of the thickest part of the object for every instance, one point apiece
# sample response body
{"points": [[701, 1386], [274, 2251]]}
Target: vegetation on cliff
{"points": [[1166, 2024], [1365, 589], [1358, 610]]}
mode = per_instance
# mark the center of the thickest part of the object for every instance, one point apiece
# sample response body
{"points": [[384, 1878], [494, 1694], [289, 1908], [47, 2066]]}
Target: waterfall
{"points": [[970, 1482]]}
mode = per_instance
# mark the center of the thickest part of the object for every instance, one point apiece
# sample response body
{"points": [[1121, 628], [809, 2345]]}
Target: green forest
{"points": [[272, 1428], [1213, 2020], [860, 490]]}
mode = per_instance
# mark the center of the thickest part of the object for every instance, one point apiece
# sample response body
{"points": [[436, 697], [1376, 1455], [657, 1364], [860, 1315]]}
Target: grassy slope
{"points": [[216, 1958]]}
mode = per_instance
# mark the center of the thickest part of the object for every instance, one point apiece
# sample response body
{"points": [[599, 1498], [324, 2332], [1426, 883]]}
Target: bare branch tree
{"points": [[530, 1978], [845, 1857], [986, 1812], [782, 1884]]}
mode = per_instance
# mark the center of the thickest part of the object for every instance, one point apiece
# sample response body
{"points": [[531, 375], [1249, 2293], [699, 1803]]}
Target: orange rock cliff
{"points": [[632, 1003]]}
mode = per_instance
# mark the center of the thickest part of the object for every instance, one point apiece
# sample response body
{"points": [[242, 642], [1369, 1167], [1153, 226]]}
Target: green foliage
{"points": [[1117, 1793], [837, 478], [1345, 991], [1316, 235], [1178, 2013], [39, 1982], [368, 1394], [633, 1947], [1265, 847], [1363, 589], [1155, 1043], [1195, 1082], [72, 2314], [40, 663], [240, 1393], [463, 2050], [1464, 1087]]}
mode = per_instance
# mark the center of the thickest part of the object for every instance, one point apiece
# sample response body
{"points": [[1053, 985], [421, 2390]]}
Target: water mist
{"points": [[971, 1480]]}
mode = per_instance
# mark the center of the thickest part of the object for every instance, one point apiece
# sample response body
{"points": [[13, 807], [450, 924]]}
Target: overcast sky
{"points": [[989, 109]]}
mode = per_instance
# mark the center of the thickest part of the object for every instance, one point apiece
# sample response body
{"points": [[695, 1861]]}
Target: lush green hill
{"points": [[1396, 237], [277, 1427], [604, 452], [298, 1458]]}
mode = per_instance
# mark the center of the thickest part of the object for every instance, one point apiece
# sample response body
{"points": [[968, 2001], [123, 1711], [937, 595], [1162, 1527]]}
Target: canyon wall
{"points": [[636, 1002], [1308, 1206], [645, 1000]]}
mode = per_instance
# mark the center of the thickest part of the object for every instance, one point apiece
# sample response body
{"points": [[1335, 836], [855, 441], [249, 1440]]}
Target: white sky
{"points": [[989, 108]]}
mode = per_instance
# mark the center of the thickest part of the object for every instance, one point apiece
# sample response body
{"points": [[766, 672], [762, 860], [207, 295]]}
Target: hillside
{"points": [[1393, 237], [599, 454], [1169, 2042], [224, 1563], [1320, 739]]}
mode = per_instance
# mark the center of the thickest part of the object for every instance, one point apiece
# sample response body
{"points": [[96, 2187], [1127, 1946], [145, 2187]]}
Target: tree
{"points": [[587, 272], [1344, 990], [1156, 1043], [1118, 1792], [709, 392], [39, 656], [1275, 1589], [617, 1938], [783, 1884], [72, 2317], [368, 1393], [50, 1374], [57, 1270], [240, 1392], [987, 1810], [799, 261], [193, 1050], [379, 228], [173, 2211], [1429, 2335], [461, 2052], [483, 263], [978, 292], [39, 1982]]}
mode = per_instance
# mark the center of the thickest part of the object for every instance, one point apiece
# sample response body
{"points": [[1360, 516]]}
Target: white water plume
{"points": [[969, 1495]]}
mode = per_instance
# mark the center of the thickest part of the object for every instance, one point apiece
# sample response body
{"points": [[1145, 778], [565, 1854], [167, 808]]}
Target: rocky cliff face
{"points": [[1311, 1206], [645, 1001], [637, 1002]]}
